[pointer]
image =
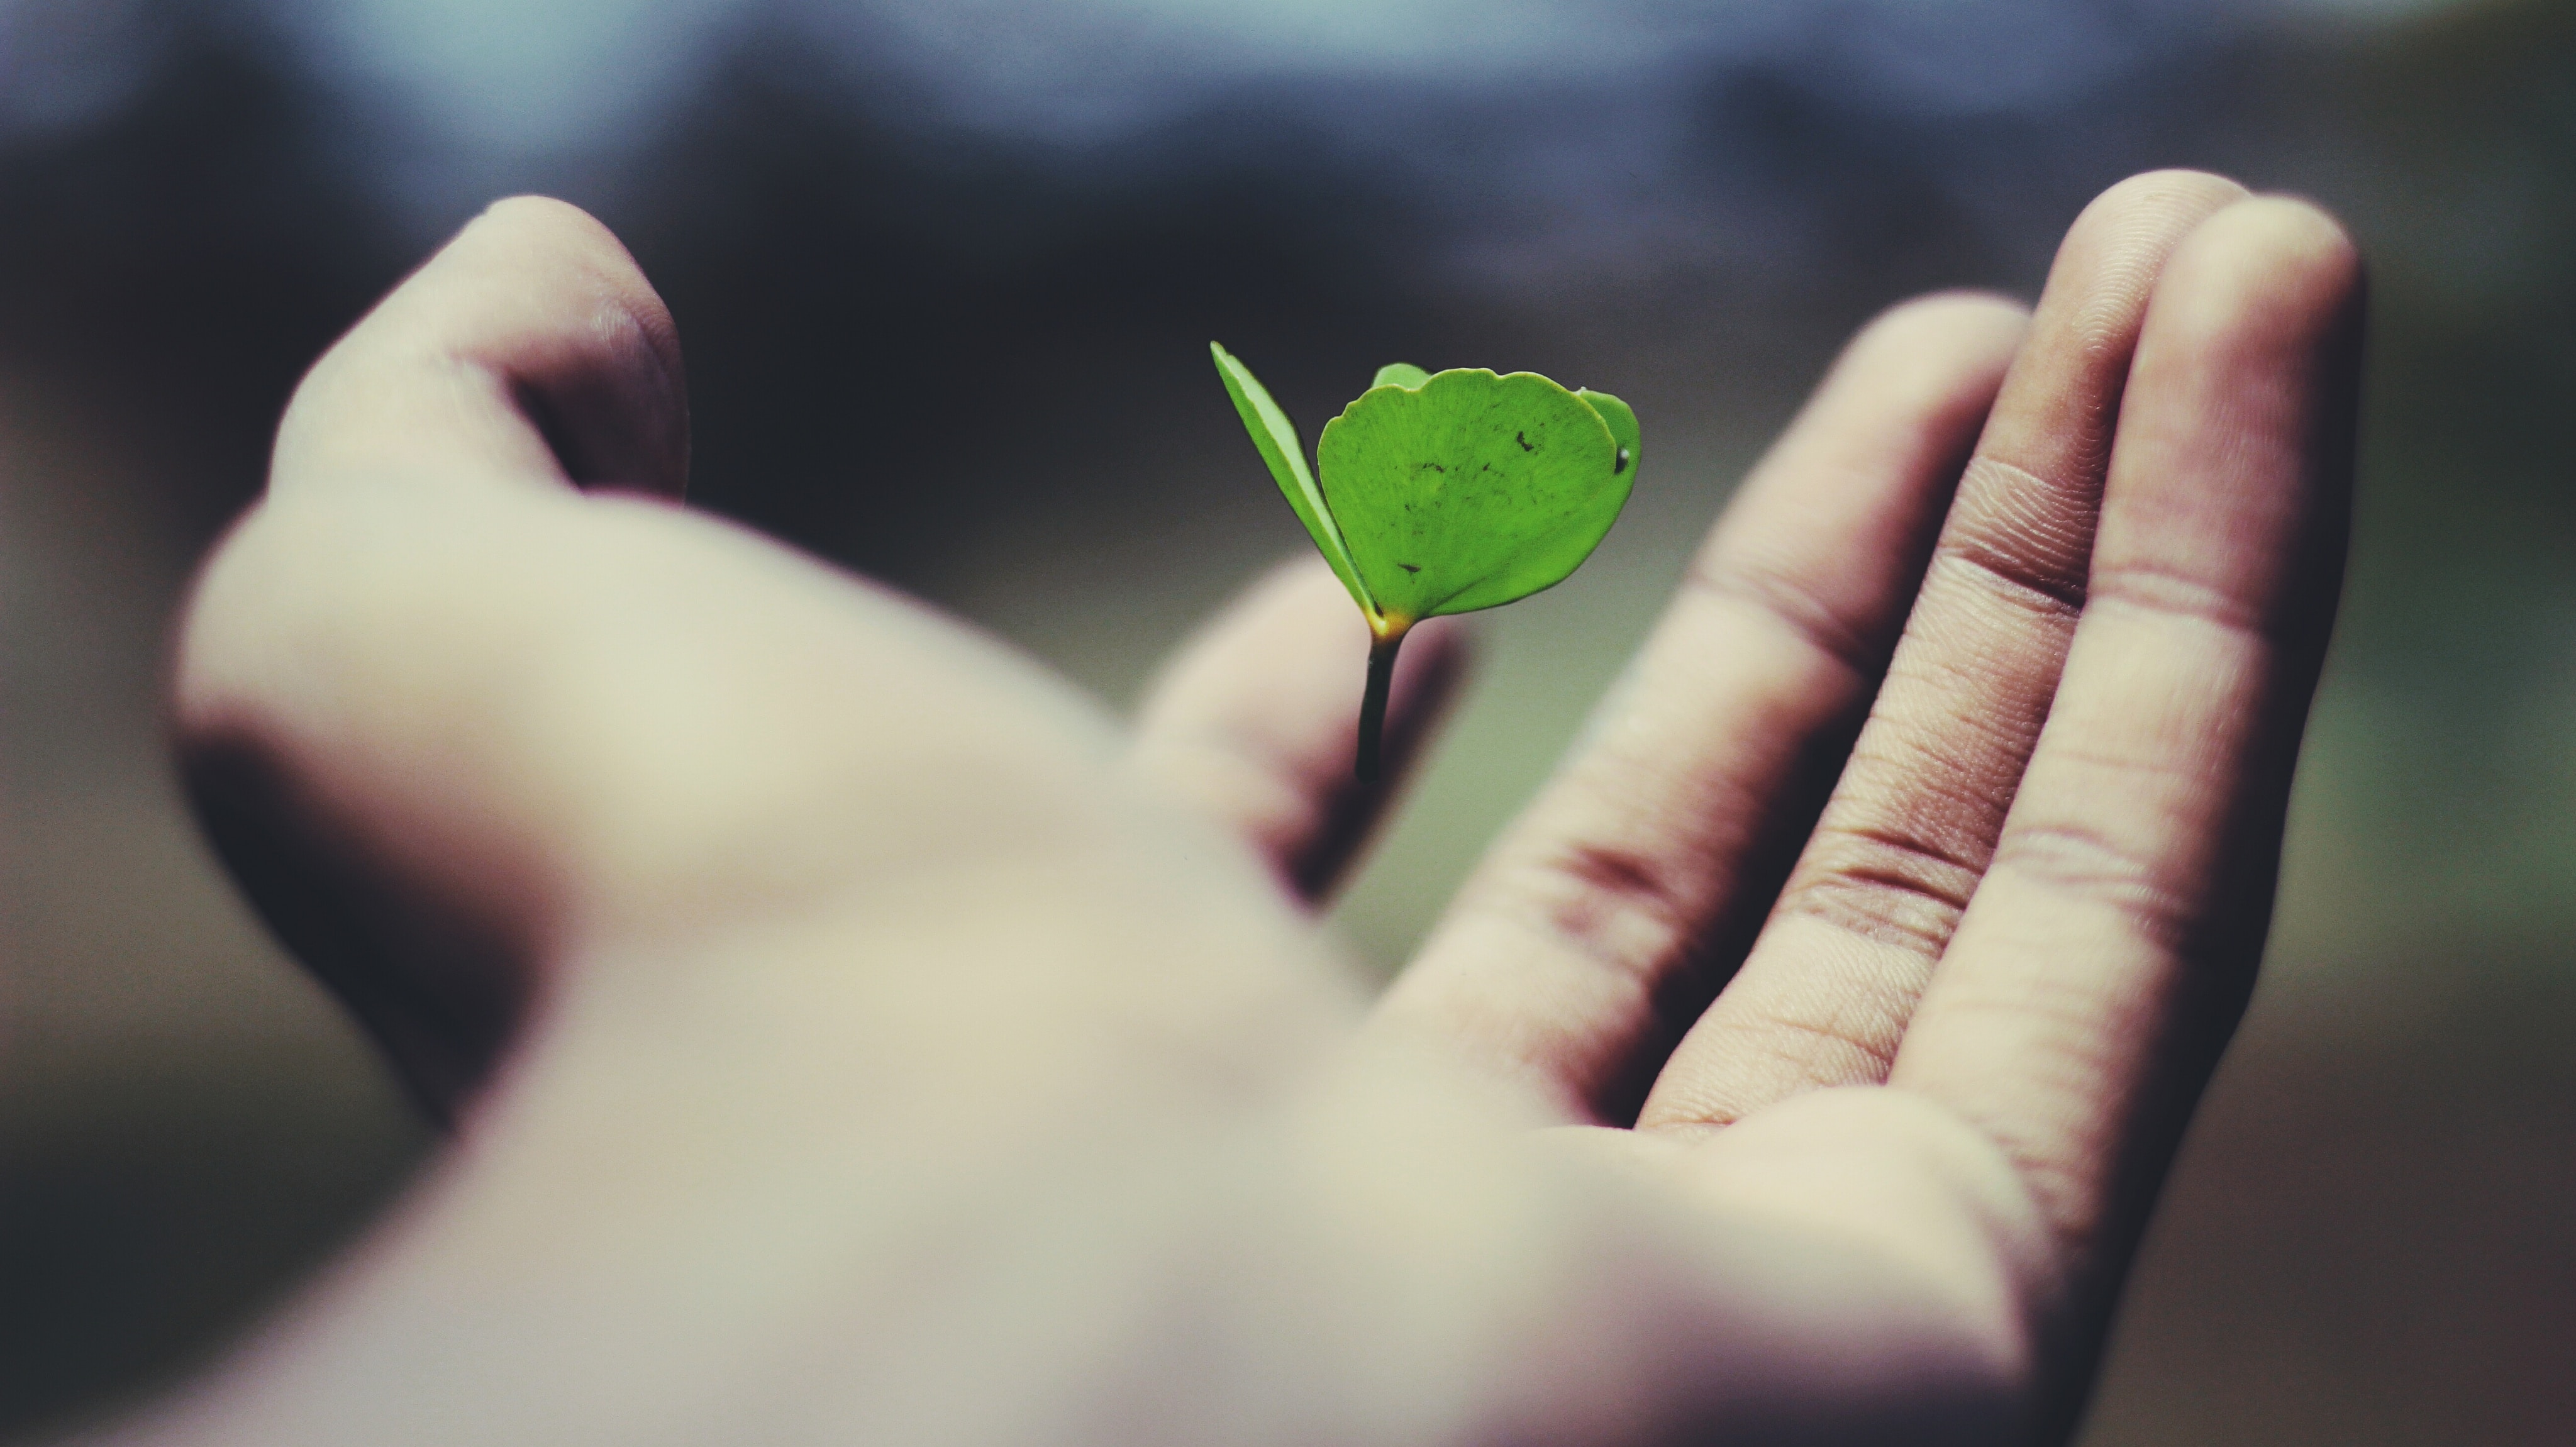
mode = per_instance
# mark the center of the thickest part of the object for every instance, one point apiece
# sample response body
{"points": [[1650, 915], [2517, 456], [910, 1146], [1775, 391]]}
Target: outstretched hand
{"points": [[851, 1036]]}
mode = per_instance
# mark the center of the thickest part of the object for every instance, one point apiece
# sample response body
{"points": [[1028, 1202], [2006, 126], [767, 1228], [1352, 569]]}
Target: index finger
{"points": [[529, 348]]}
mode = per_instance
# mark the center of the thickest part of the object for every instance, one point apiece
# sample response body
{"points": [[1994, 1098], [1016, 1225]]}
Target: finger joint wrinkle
{"points": [[1885, 885], [2170, 593], [1833, 1051], [2032, 536], [2083, 861]]}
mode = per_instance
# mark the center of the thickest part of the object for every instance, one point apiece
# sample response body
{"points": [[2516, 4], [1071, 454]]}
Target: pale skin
{"points": [[853, 1036]]}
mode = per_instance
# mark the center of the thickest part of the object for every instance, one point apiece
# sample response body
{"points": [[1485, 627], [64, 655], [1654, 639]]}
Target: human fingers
{"points": [[529, 351], [527, 354], [441, 735], [860, 980], [2110, 948], [822, 938], [1253, 722], [1824, 995], [530, 348], [1601, 922]]}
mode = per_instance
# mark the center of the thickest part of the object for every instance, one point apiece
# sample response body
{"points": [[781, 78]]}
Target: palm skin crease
{"points": [[853, 1035]]}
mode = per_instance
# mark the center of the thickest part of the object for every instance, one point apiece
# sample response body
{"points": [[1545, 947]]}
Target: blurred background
{"points": [[1013, 225]]}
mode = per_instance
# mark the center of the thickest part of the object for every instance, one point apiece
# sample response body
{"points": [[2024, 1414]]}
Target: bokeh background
{"points": [[946, 269]]}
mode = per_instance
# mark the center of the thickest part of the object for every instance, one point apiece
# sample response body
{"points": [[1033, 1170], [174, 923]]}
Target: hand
{"points": [[852, 1038]]}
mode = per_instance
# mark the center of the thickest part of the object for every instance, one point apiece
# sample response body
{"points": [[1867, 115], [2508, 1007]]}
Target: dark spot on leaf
{"points": [[1408, 567], [1435, 467], [1523, 439]]}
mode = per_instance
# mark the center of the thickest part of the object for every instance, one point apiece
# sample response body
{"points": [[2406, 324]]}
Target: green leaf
{"points": [[1444, 493], [1595, 524], [1472, 490], [1276, 439]]}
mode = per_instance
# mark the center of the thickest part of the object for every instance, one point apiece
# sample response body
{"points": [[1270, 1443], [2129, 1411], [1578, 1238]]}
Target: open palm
{"points": [[852, 1037]]}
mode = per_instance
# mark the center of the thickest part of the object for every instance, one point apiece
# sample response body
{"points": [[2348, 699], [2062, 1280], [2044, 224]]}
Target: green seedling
{"points": [[1445, 492]]}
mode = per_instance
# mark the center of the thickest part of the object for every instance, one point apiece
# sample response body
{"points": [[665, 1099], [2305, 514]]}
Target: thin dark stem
{"points": [[1381, 674]]}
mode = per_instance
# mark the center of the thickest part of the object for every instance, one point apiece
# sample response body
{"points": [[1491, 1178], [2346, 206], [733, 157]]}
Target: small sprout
{"points": [[1445, 492]]}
